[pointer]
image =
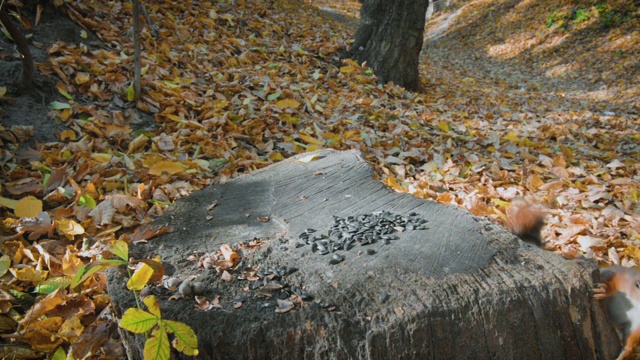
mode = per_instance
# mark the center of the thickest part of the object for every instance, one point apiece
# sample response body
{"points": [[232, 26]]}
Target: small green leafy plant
{"points": [[157, 345], [551, 19], [136, 320], [581, 15]]}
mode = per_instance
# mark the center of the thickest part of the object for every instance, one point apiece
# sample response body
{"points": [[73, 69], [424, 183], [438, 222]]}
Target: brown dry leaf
{"points": [[121, 201], [71, 329], [481, 136], [103, 213], [43, 306], [229, 255], [147, 232], [169, 167], [37, 227], [93, 338], [71, 263]]}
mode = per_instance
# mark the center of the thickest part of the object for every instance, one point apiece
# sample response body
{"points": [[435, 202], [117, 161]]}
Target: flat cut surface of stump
{"points": [[462, 288]]}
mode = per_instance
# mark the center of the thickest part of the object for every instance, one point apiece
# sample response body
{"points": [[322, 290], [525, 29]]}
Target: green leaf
{"points": [[140, 278], [56, 105], [87, 200], [5, 264], [120, 249], [59, 355], [273, 96], [138, 321], [50, 285], [152, 305], [22, 299], [9, 203], [84, 273], [157, 346], [131, 94], [186, 339]]}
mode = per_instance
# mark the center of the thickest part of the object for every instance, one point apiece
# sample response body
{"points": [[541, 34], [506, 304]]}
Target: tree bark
{"points": [[23, 47], [462, 288], [389, 39]]}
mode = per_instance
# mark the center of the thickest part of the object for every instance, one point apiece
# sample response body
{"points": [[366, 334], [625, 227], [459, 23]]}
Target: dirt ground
{"points": [[32, 108]]}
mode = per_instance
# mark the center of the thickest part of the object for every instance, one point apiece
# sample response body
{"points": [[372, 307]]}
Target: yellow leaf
{"points": [[170, 167], [62, 88], [502, 203], [69, 228], [66, 114], [82, 78], [186, 340], [444, 126], [445, 198], [157, 346], [140, 277], [71, 329], [152, 305], [275, 156], [138, 321], [71, 264], [173, 117], [347, 69], [101, 157], [535, 182], [287, 103], [171, 85], [28, 206], [310, 139], [391, 182], [3, 90], [512, 137], [67, 134], [120, 249], [331, 136], [29, 274]]}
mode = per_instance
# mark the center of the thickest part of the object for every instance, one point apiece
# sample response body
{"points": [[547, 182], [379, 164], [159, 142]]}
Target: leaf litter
{"points": [[235, 88]]}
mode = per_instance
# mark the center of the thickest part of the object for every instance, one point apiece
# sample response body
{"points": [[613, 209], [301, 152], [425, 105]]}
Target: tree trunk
{"points": [[23, 47], [456, 287], [136, 49], [390, 39]]}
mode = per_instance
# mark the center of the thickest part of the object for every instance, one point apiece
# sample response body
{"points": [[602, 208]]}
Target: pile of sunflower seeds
{"points": [[365, 229]]}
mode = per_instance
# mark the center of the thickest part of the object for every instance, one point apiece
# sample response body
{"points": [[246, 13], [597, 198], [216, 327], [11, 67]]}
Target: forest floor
{"points": [[536, 100]]}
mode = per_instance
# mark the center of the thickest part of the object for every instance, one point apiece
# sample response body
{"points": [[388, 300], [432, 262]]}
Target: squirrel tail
{"points": [[526, 222]]}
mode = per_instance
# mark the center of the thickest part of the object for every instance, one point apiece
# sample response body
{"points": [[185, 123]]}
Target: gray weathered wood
{"points": [[465, 288]]}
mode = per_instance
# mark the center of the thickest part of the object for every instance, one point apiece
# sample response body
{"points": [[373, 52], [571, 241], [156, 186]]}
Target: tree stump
{"points": [[462, 288]]}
